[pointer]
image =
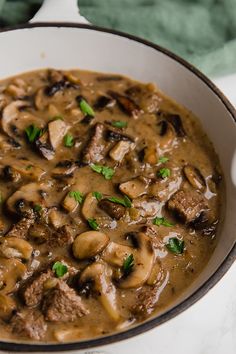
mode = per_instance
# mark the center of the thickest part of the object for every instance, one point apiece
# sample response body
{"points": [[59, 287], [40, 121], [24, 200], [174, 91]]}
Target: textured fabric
{"points": [[201, 31]]}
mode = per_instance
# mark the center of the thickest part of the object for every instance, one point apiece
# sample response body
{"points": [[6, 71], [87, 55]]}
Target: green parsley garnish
{"points": [[164, 172], [37, 208], [128, 264], [163, 159], [93, 224], [161, 221], [126, 202], [28, 167], [119, 124], [68, 140], [77, 195], [60, 269], [86, 108], [107, 172], [175, 245], [97, 195], [33, 132]]}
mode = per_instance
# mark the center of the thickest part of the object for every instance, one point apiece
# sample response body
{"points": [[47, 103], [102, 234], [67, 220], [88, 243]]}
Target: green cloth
{"points": [[201, 31]]}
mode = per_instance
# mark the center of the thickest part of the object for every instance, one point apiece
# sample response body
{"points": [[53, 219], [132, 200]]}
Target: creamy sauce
{"points": [[149, 248]]}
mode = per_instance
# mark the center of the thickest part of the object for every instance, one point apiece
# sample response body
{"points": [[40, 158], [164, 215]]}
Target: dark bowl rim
{"points": [[206, 286]]}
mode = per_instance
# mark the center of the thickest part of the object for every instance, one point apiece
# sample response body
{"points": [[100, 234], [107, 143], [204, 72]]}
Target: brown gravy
{"points": [[110, 200]]}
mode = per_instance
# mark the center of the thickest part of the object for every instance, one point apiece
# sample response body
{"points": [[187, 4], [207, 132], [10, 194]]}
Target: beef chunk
{"points": [[188, 205], [146, 302], [95, 149], [33, 290], [21, 228], [64, 236], [29, 324], [62, 304], [114, 210]]}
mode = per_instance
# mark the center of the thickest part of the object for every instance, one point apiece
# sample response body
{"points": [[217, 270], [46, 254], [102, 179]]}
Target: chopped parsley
{"points": [[37, 208], [107, 172], [60, 269], [161, 221], [77, 195], [85, 107], [119, 124], [126, 202], [128, 264], [163, 159], [164, 172], [1, 198], [97, 195], [93, 224], [28, 167], [68, 140], [175, 245], [33, 132]]}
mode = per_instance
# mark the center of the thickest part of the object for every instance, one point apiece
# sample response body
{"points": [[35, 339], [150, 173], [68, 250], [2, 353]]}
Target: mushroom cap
{"points": [[88, 244]]}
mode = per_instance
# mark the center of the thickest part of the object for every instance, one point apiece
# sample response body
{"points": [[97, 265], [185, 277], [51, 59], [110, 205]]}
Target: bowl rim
{"points": [[205, 287]]}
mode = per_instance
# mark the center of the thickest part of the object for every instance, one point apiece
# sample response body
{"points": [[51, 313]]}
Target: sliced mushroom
{"points": [[194, 177], [118, 152], [99, 275], [103, 102], [14, 170], [44, 146], [126, 104], [7, 307], [114, 210], [11, 271], [166, 134], [69, 203], [56, 129], [143, 262], [22, 201], [56, 218], [9, 114], [13, 247], [135, 187], [115, 253], [89, 244], [89, 206]]}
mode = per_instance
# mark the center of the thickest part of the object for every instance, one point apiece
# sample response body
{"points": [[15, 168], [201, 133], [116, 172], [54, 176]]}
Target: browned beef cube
{"points": [[33, 290], [146, 302], [188, 205], [21, 228], [29, 324], [62, 304], [95, 149], [64, 236], [114, 210]]}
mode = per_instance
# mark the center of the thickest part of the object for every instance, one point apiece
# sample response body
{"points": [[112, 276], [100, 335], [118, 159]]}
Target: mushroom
{"points": [[44, 146], [14, 169], [147, 206], [22, 201], [103, 102], [11, 271], [98, 275], [135, 187], [9, 114], [143, 262], [13, 247], [166, 134], [56, 129], [126, 104], [64, 169], [89, 244], [7, 307], [114, 210], [40, 100], [118, 152], [115, 254], [194, 177]]}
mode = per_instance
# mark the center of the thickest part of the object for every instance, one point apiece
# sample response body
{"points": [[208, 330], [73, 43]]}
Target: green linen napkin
{"points": [[201, 31]]}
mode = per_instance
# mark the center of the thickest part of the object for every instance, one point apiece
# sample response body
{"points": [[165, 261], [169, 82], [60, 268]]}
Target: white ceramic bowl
{"points": [[70, 45]]}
